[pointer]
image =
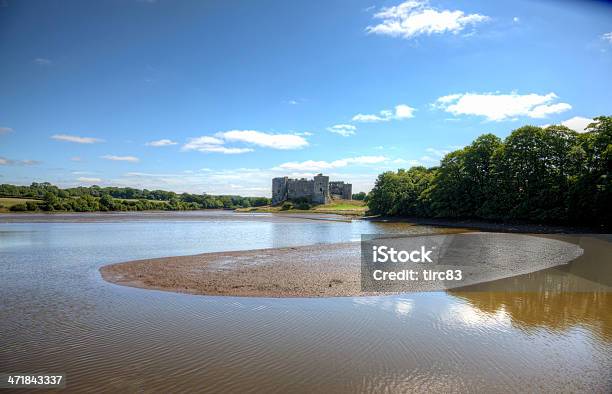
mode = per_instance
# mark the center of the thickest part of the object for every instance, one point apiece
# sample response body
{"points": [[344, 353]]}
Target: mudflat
{"points": [[324, 270]]}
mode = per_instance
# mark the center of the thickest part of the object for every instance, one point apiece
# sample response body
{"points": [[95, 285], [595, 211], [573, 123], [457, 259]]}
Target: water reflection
{"points": [[560, 298]]}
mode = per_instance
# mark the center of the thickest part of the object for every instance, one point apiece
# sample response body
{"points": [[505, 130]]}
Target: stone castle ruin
{"points": [[318, 190]]}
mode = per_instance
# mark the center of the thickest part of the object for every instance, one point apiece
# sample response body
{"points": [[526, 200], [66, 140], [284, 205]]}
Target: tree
{"points": [[359, 196], [107, 203], [401, 193], [590, 191], [550, 174], [18, 208], [50, 201]]}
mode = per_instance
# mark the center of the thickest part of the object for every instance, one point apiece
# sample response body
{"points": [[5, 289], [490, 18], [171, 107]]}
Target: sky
{"points": [[220, 97]]}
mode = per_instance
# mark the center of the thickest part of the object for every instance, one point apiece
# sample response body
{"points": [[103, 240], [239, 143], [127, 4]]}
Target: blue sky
{"points": [[220, 97]]}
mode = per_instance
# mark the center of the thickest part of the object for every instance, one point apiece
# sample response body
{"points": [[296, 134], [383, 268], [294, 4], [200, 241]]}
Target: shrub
{"points": [[19, 208], [303, 206]]}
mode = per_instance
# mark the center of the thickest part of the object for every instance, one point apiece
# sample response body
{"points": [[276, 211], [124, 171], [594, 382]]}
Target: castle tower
{"points": [[347, 191], [320, 193], [279, 190]]}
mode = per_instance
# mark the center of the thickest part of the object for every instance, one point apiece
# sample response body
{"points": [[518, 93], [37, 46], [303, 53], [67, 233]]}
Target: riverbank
{"points": [[328, 270], [483, 225], [352, 208], [196, 215]]}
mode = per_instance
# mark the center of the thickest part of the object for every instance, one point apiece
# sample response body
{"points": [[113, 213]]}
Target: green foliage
{"points": [[402, 193], [31, 206], [303, 206], [96, 198], [359, 196], [550, 174], [18, 208]]}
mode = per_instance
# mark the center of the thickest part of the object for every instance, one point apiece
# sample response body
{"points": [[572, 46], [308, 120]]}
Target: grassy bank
{"points": [[7, 202], [338, 207]]}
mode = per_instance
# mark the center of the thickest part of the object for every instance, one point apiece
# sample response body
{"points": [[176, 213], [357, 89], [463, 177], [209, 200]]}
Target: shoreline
{"points": [[110, 216], [471, 224], [323, 270], [484, 225]]}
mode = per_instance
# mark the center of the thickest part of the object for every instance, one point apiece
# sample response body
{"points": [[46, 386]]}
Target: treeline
{"points": [[359, 196], [96, 198], [547, 175]]}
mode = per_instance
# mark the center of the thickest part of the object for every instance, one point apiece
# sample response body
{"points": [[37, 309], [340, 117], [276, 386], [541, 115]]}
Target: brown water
{"points": [[546, 331]]}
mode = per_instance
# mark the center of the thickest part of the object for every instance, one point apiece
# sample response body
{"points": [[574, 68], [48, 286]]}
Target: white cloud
{"points": [[196, 143], [143, 174], [10, 162], [242, 181], [76, 158], [266, 140], [369, 118], [76, 138], [428, 159], [607, 37], [313, 165], [213, 145], [402, 111], [42, 61], [498, 107], [577, 123], [89, 180], [439, 153], [223, 149], [5, 130], [413, 18], [410, 163], [131, 159], [344, 130], [162, 142]]}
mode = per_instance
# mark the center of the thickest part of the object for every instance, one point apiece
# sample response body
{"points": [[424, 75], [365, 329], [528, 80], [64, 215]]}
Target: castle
{"points": [[318, 190]]}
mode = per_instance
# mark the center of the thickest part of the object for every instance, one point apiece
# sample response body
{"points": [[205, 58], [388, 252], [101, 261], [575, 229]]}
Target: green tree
{"points": [[359, 196], [107, 203], [50, 201], [18, 208]]}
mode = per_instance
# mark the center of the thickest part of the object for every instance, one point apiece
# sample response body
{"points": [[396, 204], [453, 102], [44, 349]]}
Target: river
{"points": [[58, 315]]}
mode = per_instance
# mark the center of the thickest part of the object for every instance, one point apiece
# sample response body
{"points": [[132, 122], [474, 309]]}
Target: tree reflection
{"points": [[575, 295]]}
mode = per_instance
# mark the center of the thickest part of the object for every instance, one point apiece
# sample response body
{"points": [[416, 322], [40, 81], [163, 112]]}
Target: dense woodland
{"points": [[547, 175], [96, 198]]}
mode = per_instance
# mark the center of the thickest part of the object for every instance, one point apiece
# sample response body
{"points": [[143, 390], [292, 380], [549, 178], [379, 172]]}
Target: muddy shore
{"points": [[317, 270], [327, 270]]}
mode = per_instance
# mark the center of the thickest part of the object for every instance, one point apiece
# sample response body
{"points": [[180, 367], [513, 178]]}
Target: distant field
{"points": [[340, 207], [343, 205], [7, 202]]}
